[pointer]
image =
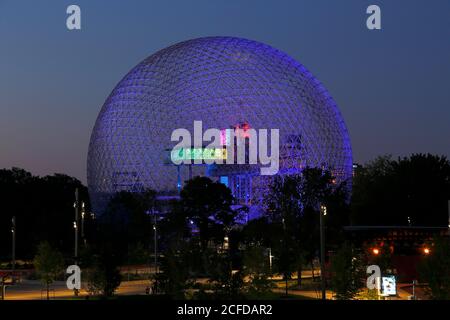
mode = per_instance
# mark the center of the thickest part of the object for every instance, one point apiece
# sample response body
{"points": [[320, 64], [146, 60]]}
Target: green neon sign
{"points": [[182, 154]]}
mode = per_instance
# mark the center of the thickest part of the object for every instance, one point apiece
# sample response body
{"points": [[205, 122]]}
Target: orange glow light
{"points": [[375, 251], [426, 251]]}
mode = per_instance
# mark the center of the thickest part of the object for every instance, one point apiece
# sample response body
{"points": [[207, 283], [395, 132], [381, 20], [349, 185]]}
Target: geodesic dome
{"points": [[222, 81]]}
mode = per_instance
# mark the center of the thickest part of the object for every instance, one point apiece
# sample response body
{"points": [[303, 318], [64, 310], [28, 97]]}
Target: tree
{"points": [[283, 206], [103, 276], [177, 270], [208, 205], [125, 224], [175, 227], [287, 259], [227, 283], [435, 269], [49, 263], [347, 273], [406, 191], [383, 258], [256, 267], [294, 202]]}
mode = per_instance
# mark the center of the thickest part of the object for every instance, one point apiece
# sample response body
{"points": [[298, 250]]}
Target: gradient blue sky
{"points": [[392, 86]]}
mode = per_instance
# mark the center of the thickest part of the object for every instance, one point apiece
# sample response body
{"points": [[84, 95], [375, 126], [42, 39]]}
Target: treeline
{"points": [[44, 211], [199, 236], [405, 191]]}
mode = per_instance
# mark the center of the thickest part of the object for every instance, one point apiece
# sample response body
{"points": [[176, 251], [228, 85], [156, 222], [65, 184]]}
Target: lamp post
{"points": [[75, 231], [155, 253], [13, 235], [270, 260], [322, 213], [83, 213], [75, 226], [155, 241]]}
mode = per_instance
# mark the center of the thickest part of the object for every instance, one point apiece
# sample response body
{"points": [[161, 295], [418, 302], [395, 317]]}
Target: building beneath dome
{"points": [[224, 82]]}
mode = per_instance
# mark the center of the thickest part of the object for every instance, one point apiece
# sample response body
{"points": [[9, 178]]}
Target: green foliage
{"points": [[208, 205], [369, 294], [435, 269], [49, 262], [292, 205], [175, 276], [103, 276], [347, 273], [227, 284]]}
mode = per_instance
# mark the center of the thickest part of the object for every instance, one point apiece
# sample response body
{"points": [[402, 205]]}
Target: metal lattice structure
{"points": [[221, 81]]}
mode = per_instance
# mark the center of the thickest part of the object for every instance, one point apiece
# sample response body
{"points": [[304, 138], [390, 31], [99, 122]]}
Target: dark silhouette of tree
{"points": [[226, 283], [175, 227], [49, 263], [103, 275], [177, 270], [407, 191], [208, 205], [284, 209], [435, 269], [126, 224], [293, 203], [44, 211], [256, 267], [347, 273]]}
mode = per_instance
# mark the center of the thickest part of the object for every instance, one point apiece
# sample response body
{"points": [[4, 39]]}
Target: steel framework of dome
{"points": [[222, 81]]}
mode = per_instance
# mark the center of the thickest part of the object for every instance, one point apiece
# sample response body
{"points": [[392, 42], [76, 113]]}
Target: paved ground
{"points": [[33, 290]]}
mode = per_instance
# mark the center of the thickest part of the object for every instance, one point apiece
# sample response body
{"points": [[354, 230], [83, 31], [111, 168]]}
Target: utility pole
{"points": [[156, 249], [156, 241], [322, 213], [83, 213], [75, 229], [13, 234]]}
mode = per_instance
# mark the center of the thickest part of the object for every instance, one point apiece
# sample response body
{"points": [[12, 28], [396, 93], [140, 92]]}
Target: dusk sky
{"points": [[391, 85]]}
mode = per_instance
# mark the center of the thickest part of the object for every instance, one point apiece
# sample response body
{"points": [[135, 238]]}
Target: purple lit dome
{"points": [[222, 81]]}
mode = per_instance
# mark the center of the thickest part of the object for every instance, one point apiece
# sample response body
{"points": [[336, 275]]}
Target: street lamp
{"points": [[270, 260], [75, 231], [82, 220], [322, 213]]}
